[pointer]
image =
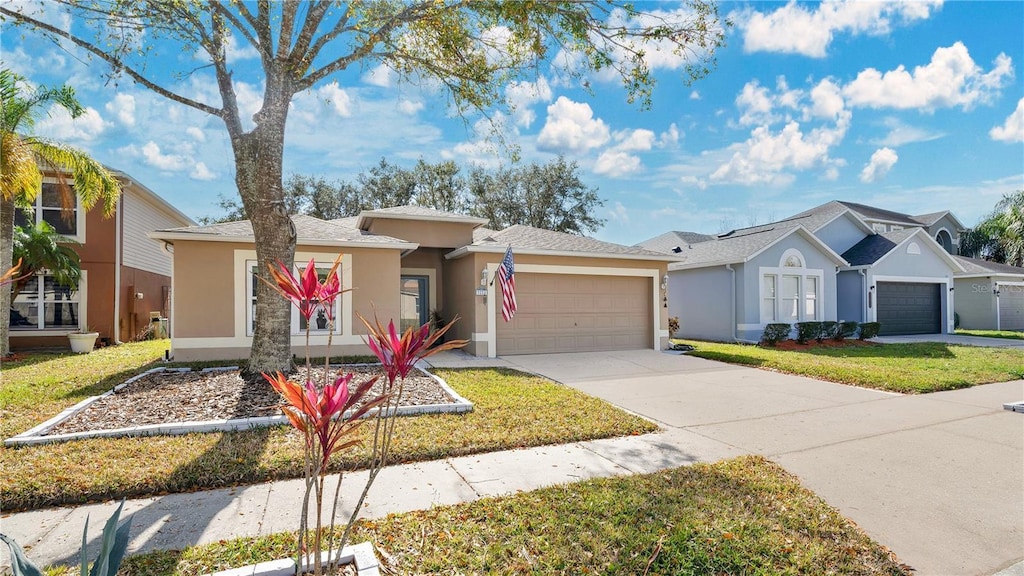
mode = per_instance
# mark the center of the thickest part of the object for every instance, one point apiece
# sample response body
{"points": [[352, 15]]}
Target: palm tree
{"points": [[22, 156], [1000, 235], [40, 247]]}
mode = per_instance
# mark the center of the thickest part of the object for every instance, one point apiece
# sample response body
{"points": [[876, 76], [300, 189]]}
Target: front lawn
{"points": [[741, 516], [513, 410], [908, 368], [1008, 334]]}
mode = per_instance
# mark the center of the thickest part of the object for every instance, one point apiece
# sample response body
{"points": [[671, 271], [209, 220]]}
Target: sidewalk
{"points": [[175, 521]]}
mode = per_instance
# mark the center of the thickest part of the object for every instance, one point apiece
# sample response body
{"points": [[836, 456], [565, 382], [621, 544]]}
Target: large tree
{"points": [[470, 48], [1000, 235], [23, 154]]}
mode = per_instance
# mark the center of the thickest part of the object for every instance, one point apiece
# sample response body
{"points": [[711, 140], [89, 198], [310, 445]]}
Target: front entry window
{"points": [[414, 302], [44, 304]]}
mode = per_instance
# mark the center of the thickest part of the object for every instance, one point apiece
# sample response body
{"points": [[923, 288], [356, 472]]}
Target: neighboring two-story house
{"points": [[838, 261], [126, 276]]}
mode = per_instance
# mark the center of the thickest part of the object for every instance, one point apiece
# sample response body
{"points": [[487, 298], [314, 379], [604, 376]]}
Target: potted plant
{"points": [[83, 340]]}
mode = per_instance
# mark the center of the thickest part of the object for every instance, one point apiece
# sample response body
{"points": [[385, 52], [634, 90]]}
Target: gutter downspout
{"points": [[863, 295], [996, 286], [732, 303], [117, 271]]}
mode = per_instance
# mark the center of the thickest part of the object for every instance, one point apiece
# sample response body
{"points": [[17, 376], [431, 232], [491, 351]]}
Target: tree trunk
{"points": [[6, 257], [258, 161]]}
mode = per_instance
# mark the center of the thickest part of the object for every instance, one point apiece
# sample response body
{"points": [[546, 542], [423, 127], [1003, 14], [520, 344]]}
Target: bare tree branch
{"points": [[116, 63]]}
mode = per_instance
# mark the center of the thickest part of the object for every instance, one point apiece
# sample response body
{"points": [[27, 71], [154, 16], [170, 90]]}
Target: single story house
{"points": [[574, 293], [126, 276], [989, 295], [838, 261]]}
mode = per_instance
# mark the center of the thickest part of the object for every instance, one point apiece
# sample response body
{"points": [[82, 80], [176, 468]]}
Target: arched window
{"points": [[945, 240], [791, 258]]}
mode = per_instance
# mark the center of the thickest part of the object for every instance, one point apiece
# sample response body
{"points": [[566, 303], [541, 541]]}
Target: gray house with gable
{"points": [[837, 261]]}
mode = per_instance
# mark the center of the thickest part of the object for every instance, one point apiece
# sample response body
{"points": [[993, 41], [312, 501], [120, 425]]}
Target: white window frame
{"points": [[877, 227], [250, 299], [80, 298], [802, 274], [773, 297], [37, 210]]}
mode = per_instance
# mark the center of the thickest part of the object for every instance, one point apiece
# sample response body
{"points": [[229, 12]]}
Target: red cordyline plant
{"points": [[328, 414]]}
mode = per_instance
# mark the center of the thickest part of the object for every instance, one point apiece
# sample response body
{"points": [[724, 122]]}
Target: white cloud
{"points": [[202, 173], [616, 163], [881, 162], [900, 134], [520, 96], [236, 50], [410, 107], [381, 76], [694, 95], [950, 79], [336, 98], [826, 100], [152, 155], [59, 125], [1013, 129], [123, 108], [758, 105], [196, 133], [619, 213], [571, 126], [796, 29], [669, 137], [768, 157]]}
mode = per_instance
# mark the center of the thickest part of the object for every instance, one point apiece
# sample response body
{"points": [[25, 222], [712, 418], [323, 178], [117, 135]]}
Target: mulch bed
{"points": [[829, 343], [172, 397]]}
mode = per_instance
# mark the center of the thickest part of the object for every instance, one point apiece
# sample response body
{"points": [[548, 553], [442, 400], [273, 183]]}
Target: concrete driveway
{"points": [[938, 478], [953, 339]]}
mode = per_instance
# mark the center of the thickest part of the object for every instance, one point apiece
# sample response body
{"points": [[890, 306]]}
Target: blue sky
{"points": [[912, 106]]}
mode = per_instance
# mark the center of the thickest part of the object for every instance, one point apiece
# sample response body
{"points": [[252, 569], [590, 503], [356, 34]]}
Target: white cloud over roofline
{"points": [[572, 127], [879, 165], [1013, 129]]}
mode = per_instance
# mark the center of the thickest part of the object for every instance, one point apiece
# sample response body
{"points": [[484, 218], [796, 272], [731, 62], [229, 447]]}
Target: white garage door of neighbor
{"points": [[577, 313], [1011, 307]]}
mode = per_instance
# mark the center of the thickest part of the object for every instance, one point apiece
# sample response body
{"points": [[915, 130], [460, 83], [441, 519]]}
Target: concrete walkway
{"points": [[961, 339], [938, 478]]}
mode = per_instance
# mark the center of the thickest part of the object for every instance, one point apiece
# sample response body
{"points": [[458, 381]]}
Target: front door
{"points": [[414, 302]]}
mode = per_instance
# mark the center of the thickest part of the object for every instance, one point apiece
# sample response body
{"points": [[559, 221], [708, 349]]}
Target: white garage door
{"points": [[576, 313], [1011, 307]]}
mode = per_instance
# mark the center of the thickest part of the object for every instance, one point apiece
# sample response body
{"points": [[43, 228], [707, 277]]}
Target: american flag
{"points": [[507, 279]]}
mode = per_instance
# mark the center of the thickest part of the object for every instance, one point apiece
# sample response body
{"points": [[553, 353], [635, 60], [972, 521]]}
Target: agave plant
{"points": [[113, 544]]}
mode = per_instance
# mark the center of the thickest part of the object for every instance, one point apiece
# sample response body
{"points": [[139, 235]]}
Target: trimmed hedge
{"points": [[828, 330], [845, 330], [869, 330], [805, 331], [775, 333]]}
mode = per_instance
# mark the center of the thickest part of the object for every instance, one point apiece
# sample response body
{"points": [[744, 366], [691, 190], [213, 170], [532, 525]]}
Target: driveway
{"points": [[938, 478], [953, 339]]}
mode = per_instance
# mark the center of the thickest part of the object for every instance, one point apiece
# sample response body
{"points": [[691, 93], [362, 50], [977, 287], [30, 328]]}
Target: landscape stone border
{"points": [[37, 434], [361, 555]]}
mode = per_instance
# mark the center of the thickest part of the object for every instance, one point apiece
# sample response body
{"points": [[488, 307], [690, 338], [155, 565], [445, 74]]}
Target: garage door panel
{"points": [[562, 313], [909, 308], [1011, 307]]}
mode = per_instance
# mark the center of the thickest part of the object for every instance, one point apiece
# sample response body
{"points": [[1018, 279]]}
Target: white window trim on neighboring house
{"points": [[491, 336], [802, 273], [82, 298], [37, 209]]}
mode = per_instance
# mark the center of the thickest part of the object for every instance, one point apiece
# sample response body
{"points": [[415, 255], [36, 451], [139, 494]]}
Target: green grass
{"points": [[512, 410], [1008, 334], [908, 368], [741, 516]]}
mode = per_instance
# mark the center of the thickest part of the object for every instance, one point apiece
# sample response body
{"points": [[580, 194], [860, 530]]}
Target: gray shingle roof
{"points": [[872, 213], [307, 228], [674, 239], [979, 266], [420, 213], [736, 247], [929, 219], [872, 248], [530, 238]]}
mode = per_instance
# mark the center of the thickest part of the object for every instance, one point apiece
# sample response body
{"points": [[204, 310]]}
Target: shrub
{"points": [[845, 330], [807, 330], [827, 330], [673, 326], [869, 330], [775, 333]]}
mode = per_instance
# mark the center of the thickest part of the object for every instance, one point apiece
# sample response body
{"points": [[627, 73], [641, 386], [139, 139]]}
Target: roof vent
{"points": [[677, 249]]}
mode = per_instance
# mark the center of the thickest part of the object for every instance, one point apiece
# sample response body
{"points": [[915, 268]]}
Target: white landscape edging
{"points": [[38, 434], [361, 555]]}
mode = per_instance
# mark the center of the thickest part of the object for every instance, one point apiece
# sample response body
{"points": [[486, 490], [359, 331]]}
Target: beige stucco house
{"points": [[574, 293]]}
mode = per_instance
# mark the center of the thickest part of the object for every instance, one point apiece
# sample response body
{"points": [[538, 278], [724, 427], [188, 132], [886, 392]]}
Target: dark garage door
{"points": [[909, 308]]}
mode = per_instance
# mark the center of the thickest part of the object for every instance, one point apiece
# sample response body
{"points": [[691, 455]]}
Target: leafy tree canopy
{"points": [[1000, 235]]}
